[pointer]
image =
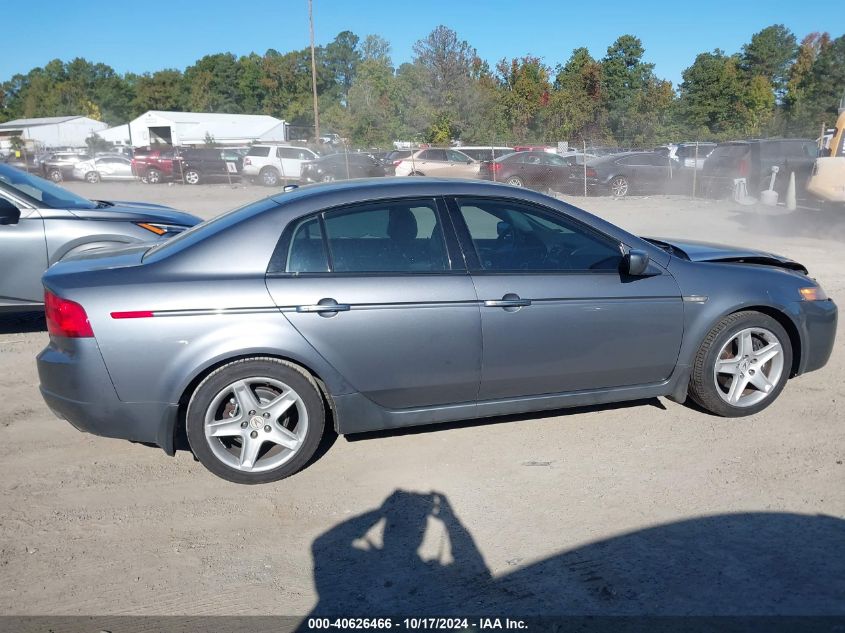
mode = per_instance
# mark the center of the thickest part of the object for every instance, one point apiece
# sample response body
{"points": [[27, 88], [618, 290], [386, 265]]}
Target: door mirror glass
{"points": [[9, 213], [636, 263]]}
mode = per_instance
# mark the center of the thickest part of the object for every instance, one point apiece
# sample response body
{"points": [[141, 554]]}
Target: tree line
{"points": [[775, 85]]}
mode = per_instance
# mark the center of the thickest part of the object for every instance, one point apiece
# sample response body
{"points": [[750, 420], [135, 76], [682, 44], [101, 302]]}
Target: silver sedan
{"points": [[396, 302]]}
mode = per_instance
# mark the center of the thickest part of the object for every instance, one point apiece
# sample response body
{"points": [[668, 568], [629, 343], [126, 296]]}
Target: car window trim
{"points": [[471, 254], [454, 257]]}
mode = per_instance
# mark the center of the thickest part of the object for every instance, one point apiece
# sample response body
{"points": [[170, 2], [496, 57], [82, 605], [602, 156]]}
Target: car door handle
{"points": [[325, 305], [508, 301]]}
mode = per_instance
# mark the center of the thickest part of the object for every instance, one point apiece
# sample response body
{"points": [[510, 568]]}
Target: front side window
{"points": [[514, 237]]}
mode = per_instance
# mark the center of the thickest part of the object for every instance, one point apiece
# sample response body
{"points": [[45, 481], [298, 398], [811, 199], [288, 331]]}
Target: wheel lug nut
{"points": [[252, 412], [243, 425], [254, 434], [266, 414], [267, 428]]}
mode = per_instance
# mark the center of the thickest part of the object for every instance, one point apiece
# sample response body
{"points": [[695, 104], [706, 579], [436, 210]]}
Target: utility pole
{"points": [[314, 74]]}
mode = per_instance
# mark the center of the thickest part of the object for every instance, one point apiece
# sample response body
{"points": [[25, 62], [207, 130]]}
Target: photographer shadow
{"points": [[412, 556]]}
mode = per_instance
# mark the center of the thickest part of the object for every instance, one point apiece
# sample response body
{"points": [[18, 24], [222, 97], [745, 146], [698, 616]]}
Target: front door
{"points": [[23, 259], [387, 305], [557, 316]]}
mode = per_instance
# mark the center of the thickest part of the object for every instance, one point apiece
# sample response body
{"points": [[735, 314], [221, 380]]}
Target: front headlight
{"points": [[160, 229], [813, 293]]}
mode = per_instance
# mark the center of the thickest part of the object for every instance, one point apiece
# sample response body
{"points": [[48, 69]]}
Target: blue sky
{"points": [[142, 36]]}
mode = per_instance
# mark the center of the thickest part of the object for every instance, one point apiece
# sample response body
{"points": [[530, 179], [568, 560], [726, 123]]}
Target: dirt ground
{"points": [[652, 507]]}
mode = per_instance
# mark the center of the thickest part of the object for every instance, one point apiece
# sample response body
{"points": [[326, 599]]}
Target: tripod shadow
{"points": [[413, 556]]}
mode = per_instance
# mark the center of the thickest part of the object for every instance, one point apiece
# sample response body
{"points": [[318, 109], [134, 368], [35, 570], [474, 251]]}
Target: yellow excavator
{"points": [[827, 180]]}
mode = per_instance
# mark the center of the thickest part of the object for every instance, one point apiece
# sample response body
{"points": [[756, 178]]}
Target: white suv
{"points": [[274, 164]]}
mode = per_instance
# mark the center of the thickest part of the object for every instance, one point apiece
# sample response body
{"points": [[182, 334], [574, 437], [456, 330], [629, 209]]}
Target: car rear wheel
{"points": [[619, 186], [192, 177], [93, 177], [328, 178], [255, 420], [153, 177], [269, 177], [55, 175], [515, 181], [742, 365]]}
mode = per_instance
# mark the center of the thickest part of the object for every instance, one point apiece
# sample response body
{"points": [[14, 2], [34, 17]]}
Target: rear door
{"points": [[379, 290], [556, 314]]}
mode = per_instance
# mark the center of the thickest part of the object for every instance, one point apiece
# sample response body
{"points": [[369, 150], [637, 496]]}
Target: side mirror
{"points": [[636, 263], [9, 213]]}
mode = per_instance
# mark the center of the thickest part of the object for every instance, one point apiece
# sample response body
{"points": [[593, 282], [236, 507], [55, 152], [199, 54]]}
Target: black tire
{"points": [[416, 173], [704, 389], [298, 380], [55, 175], [153, 177], [269, 177], [619, 186], [192, 177], [93, 177]]}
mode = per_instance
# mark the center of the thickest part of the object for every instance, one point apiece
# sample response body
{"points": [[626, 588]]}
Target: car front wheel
{"points": [[93, 177], [192, 177], [255, 420], [742, 365]]}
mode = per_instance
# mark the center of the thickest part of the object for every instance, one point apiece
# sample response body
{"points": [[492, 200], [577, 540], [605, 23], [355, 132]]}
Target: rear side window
{"points": [[259, 151], [433, 154], [393, 237], [387, 237], [307, 253]]}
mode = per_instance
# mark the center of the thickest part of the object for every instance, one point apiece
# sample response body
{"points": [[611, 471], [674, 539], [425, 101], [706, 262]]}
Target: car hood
{"points": [[138, 212], [696, 251]]}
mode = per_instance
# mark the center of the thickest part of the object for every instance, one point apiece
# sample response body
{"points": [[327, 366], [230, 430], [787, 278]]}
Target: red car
{"points": [[156, 165]]}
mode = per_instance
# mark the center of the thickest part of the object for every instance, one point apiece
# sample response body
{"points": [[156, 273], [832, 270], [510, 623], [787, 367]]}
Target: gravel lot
{"points": [[544, 513]]}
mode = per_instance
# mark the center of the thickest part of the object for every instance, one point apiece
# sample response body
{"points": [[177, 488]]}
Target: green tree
{"points": [[624, 75], [341, 58], [162, 90], [524, 94], [212, 84], [769, 54]]}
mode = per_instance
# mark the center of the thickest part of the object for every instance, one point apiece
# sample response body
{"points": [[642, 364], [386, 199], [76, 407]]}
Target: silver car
{"points": [[42, 223], [104, 168], [386, 303]]}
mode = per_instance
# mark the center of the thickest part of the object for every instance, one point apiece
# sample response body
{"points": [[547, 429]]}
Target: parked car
{"points": [[208, 164], [156, 165], [753, 160], [42, 223], [685, 154], [433, 161], [480, 152], [631, 172], [396, 302], [343, 167], [59, 165], [113, 167], [275, 164], [535, 170]]}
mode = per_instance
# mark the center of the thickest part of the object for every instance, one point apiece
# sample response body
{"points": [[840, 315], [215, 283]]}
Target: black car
{"points": [[754, 160], [208, 164], [342, 167], [633, 172]]}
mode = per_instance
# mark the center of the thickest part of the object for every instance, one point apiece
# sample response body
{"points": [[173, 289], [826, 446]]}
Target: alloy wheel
{"points": [[256, 424], [619, 186], [515, 181], [748, 367]]}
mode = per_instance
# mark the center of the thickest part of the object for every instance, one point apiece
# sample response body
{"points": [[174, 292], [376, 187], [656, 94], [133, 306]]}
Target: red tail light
{"points": [[247, 161], [743, 167], [591, 173], [66, 318], [396, 162], [495, 166]]}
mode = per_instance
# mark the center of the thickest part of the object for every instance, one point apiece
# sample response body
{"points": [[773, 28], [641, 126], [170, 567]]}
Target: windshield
{"points": [[43, 191]]}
